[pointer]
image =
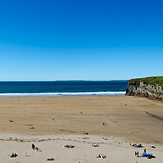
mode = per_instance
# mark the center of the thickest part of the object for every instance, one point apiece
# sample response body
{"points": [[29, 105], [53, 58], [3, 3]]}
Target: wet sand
{"points": [[123, 116]]}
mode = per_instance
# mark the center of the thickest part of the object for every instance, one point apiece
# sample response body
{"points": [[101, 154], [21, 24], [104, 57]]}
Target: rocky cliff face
{"points": [[152, 91]]}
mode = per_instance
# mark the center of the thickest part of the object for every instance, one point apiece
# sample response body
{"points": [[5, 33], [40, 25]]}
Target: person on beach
{"points": [[137, 153], [149, 156], [12, 155], [33, 146]]}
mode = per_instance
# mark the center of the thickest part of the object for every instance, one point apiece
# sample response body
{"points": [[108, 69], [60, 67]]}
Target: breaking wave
{"points": [[64, 94]]}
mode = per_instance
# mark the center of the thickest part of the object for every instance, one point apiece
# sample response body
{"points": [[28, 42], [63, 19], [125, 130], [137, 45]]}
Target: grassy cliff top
{"points": [[150, 80]]}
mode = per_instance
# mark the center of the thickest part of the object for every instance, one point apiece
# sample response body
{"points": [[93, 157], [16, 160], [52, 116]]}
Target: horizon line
{"points": [[59, 80]]}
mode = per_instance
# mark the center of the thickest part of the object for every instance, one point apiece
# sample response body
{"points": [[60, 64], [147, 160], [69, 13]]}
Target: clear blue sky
{"points": [[80, 39]]}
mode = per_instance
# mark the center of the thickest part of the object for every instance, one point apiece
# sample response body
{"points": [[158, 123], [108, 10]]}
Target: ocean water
{"points": [[63, 88]]}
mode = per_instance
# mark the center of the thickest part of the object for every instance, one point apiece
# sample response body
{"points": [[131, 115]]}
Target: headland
{"points": [[149, 87]]}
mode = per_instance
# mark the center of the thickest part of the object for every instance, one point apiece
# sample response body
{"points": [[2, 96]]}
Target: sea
{"points": [[63, 88]]}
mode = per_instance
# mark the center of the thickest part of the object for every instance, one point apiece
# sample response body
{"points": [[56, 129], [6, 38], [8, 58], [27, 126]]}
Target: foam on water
{"points": [[63, 94]]}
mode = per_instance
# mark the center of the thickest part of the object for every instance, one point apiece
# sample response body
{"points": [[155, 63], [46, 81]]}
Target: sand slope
{"points": [[116, 150]]}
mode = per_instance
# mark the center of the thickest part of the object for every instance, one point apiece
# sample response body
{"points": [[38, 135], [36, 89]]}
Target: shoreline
{"points": [[64, 94]]}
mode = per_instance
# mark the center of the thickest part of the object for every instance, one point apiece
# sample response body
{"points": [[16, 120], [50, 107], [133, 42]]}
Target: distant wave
{"points": [[63, 94]]}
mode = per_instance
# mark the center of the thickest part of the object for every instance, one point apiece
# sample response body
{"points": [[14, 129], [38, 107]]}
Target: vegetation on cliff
{"points": [[149, 80]]}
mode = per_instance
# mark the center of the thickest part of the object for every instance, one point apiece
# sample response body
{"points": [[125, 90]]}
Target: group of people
{"points": [[136, 145], [101, 156], [50, 159], [34, 147], [145, 154], [95, 145], [13, 155], [69, 146]]}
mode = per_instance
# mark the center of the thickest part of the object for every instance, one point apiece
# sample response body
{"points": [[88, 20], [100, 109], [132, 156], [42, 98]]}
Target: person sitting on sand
{"points": [[137, 153], [12, 155], [99, 156], [147, 155]]}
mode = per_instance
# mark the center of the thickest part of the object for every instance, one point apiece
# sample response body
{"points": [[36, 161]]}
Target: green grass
{"points": [[150, 80], [159, 93]]}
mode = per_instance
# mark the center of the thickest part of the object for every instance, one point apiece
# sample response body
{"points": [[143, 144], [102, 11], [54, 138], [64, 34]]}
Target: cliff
{"points": [[150, 87]]}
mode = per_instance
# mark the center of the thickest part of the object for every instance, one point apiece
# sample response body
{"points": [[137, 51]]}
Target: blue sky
{"points": [[80, 40]]}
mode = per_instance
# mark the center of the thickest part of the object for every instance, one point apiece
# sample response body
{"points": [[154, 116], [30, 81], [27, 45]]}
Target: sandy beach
{"points": [[52, 122]]}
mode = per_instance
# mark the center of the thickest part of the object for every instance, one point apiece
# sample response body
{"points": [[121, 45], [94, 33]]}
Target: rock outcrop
{"points": [[151, 87]]}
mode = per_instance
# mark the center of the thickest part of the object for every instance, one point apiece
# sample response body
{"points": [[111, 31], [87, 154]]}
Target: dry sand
{"points": [[51, 122]]}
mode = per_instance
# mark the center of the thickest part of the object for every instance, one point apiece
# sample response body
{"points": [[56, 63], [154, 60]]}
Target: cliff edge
{"points": [[150, 87]]}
